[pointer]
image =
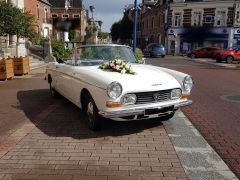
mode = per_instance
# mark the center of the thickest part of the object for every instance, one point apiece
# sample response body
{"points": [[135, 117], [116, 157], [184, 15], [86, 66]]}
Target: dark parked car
{"points": [[205, 52], [154, 50], [229, 55]]}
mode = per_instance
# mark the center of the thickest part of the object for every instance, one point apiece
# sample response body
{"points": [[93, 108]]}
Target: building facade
{"points": [[40, 9], [151, 25], [67, 20], [193, 24]]}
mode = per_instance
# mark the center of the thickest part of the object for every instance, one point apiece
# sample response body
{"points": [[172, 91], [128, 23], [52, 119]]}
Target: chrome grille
{"points": [[152, 97]]}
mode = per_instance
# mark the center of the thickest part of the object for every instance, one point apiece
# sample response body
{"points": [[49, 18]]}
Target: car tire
{"points": [[193, 56], [162, 56], [218, 60], [167, 117], [229, 59], [53, 92], [94, 119]]}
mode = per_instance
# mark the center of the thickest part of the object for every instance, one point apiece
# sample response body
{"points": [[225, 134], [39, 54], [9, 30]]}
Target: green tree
{"points": [[103, 35], [91, 30], [15, 22], [59, 50], [72, 35], [122, 30], [115, 30]]}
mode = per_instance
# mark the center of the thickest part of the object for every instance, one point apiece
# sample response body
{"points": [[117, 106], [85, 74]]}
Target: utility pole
{"points": [[135, 26]]}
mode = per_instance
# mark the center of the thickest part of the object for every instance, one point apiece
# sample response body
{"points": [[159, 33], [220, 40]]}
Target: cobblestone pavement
{"points": [[52, 140], [217, 119]]}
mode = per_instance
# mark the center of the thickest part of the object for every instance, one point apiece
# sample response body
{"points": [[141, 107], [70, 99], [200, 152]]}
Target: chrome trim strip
{"points": [[141, 109]]}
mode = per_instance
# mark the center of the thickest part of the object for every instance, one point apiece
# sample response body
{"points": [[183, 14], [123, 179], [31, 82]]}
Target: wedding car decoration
{"points": [[97, 80], [117, 65]]}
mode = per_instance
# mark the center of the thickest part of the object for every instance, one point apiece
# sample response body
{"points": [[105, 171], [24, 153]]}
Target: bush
{"points": [[37, 39], [59, 50], [139, 55]]}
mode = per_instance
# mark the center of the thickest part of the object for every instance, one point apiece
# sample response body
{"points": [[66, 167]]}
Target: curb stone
{"points": [[198, 158]]}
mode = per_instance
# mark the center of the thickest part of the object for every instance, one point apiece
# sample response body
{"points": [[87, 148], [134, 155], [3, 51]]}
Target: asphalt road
{"points": [[216, 104]]}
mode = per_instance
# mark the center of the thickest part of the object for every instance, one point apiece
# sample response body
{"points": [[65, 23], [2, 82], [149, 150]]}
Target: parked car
{"points": [[229, 55], [106, 82], [154, 50], [205, 52]]}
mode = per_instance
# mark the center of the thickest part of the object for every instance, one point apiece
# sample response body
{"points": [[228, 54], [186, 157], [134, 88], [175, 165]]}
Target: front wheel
{"points": [[94, 119], [162, 56], [229, 59], [218, 60], [193, 56]]}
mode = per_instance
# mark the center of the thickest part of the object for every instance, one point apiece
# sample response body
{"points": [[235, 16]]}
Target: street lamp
{"points": [[100, 25], [135, 26]]}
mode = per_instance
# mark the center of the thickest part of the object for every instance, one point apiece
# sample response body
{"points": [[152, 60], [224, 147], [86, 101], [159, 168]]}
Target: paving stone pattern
{"points": [[55, 143]]}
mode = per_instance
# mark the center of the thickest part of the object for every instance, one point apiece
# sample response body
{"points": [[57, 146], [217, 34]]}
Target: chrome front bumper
{"points": [[141, 109]]}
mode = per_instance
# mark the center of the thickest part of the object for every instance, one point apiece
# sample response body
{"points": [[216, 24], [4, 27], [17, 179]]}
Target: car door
{"points": [[237, 54], [64, 80]]}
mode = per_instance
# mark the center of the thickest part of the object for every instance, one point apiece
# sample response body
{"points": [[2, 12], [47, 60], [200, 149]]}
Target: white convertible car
{"points": [[106, 81]]}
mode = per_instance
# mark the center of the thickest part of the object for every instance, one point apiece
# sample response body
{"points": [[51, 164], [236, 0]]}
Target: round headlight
{"points": [[188, 83], [129, 99], [114, 90], [176, 94]]}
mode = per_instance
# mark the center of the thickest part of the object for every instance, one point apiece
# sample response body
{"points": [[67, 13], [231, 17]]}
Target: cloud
{"points": [[108, 11]]}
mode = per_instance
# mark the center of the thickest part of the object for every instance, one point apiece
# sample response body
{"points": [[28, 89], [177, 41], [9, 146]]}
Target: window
{"points": [[177, 19], [76, 16], [38, 14], [54, 16], [220, 16], [45, 15], [208, 19], [237, 16], [197, 18], [65, 16]]}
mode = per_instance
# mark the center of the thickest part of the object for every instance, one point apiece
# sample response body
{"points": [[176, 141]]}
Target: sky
{"points": [[108, 11]]}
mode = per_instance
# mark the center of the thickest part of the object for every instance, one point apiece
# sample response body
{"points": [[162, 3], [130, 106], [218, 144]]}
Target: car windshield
{"points": [[233, 48], [95, 55]]}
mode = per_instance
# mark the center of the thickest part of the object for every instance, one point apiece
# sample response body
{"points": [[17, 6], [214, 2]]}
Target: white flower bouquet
{"points": [[117, 65]]}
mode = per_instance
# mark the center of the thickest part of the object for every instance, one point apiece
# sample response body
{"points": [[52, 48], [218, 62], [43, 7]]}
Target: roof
{"points": [[45, 2]]}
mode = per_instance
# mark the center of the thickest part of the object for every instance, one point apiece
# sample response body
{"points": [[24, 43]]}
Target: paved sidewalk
{"points": [[55, 143]]}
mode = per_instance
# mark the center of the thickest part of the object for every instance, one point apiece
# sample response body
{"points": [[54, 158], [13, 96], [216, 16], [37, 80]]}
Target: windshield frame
{"points": [[131, 58]]}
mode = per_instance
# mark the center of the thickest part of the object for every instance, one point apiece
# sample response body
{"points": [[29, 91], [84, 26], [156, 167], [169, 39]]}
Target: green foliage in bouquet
{"points": [[117, 65]]}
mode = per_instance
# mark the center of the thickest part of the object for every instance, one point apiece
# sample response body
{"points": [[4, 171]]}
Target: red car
{"points": [[229, 55], [205, 52]]}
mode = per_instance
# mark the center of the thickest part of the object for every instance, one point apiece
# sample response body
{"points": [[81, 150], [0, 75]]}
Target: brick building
{"points": [[151, 24], [193, 24], [65, 20], [40, 9]]}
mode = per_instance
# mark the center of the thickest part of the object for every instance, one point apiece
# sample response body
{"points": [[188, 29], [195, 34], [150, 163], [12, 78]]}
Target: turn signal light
{"points": [[187, 96], [113, 105]]}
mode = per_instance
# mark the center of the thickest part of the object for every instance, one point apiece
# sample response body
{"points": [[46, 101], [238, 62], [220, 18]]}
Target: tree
{"points": [[122, 30], [15, 22], [115, 30], [91, 31]]}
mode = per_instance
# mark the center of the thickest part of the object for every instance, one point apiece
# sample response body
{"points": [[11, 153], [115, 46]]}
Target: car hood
{"points": [[146, 78]]}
